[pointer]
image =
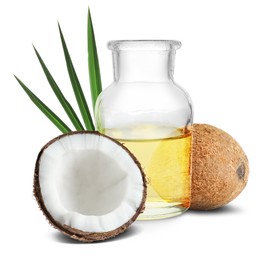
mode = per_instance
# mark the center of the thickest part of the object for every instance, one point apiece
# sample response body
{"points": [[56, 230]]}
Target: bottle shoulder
{"points": [[165, 95], [142, 102]]}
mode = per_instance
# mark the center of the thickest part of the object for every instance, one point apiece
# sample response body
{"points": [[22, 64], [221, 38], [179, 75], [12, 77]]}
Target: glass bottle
{"points": [[151, 115]]}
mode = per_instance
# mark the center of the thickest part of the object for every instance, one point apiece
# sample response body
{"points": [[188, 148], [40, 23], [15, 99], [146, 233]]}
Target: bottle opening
{"points": [[161, 45]]}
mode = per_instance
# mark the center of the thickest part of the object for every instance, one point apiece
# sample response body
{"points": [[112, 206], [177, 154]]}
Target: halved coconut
{"points": [[88, 185]]}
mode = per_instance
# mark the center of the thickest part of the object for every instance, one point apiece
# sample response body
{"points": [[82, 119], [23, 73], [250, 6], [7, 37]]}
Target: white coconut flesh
{"points": [[89, 182]]}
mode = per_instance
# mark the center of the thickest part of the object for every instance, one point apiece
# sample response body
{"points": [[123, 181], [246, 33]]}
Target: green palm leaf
{"points": [[93, 63], [47, 111], [77, 87], [63, 101]]}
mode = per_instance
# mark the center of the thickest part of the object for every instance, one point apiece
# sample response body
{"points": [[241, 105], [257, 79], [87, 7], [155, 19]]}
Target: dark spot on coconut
{"points": [[241, 171]]}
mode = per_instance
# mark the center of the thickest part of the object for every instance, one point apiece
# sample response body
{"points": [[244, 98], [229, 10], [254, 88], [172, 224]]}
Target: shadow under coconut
{"points": [[61, 238], [228, 209]]}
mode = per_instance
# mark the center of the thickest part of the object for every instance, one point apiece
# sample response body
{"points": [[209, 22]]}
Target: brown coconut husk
{"points": [[220, 168]]}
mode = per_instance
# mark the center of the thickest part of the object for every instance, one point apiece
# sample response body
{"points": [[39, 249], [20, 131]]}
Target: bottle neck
{"points": [[143, 65]]}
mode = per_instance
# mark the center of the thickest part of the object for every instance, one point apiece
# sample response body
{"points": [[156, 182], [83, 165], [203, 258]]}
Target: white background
{"points": [[220, 65]]}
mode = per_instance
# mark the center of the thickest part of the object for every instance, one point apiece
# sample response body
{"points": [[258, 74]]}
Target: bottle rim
{"points": [[161, 45]]}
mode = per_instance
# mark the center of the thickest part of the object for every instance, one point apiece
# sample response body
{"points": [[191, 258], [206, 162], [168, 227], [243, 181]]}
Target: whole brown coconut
{"points": [[219, 168]]}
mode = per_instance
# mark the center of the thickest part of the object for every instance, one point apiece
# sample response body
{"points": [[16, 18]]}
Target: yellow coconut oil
{"points": [[166, 163]]}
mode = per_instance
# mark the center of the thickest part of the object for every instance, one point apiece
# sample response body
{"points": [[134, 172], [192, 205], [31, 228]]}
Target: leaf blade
{"points": [[63, 101], [93, 62], [46, 110], [83, 107]]}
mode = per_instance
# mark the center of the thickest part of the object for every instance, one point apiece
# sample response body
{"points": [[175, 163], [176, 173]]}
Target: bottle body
{"points": [[148, 113]]}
